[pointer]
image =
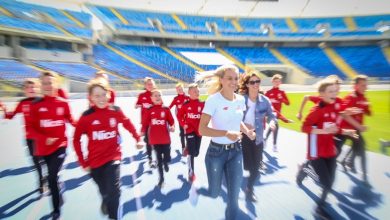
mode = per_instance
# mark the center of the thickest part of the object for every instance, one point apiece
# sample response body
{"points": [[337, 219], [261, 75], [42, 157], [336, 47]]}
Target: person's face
{"points": [[361, 86], [253, 84], [49, 85], [99, 97], [276, 82], [338, 85], [330, 94], [156, 98], [30, 90], [194, 93], [179, 90], [229, 80], [149, 85]]}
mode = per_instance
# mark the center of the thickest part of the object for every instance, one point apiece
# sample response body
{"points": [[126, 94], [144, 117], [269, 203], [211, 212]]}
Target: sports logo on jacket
{"points": [[48, 123], [162, 114], [96, 122], [112, 122], [60, 111], [199, 108], [157, 122], [103, 135], [43, 109]]}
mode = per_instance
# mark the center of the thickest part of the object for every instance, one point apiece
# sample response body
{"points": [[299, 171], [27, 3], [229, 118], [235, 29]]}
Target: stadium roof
{"points": [[255, 8]]}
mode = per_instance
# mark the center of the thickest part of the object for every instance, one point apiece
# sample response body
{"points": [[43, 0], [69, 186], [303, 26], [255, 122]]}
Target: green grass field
{"points": [[378, 124]]}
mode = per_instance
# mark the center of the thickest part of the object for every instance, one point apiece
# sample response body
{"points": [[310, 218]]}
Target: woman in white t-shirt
{"points": [[225, 110], [258, 107]]}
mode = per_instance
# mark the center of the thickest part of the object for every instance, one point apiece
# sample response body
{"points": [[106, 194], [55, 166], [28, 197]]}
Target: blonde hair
{"points": [[212, 78], [334, 78], [323, 84], [98, 82], [48, 73], [179, 85], [277, 76]]}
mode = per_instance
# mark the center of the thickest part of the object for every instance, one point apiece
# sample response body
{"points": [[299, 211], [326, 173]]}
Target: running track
{"points": [[279, 196]]}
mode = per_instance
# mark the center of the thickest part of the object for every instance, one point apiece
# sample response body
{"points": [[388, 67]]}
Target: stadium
{"points": [[172, 41]]}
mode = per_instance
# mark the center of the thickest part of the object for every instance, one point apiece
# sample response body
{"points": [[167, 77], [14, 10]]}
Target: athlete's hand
{"points": [[272, 125], [251, 134], [332, 129], [233, 135], [362, 128], [172, 129], [353, 111], [50, 141], [142, 134], [185, 127], [351, 132], [87, 169], [299, 116], [140, 144]]}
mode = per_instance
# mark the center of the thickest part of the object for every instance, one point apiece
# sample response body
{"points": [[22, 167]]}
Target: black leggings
{"points": [[182, 137], [358, 149], [274, 132], [193, 146], [54, 163], [252, 156], [163, 153], [37, 160], [148, 147], [107, 177], [325, 169]]}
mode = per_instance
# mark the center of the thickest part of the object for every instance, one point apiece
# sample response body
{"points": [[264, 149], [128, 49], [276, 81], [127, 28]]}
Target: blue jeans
{"points": [[229, 162]]}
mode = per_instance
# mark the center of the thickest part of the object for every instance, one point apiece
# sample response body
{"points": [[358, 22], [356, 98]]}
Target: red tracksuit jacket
{"points": [[190, 114], [320, 145], [355, 99], [155, 124], [48, 116], [61, 93], [101, 128], [178, 101], [145, 101], [277, 97], [24, 106]]}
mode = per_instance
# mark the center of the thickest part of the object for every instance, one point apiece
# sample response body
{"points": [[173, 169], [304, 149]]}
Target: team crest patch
{"points": [[199, 108], [326, 115], [333, 115], [60, 111], [337, 106], [162, 114], [112, 122]]}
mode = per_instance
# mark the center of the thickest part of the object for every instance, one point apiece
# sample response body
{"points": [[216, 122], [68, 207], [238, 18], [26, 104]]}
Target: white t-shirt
{"points": [[225, 114], [250, 114]]}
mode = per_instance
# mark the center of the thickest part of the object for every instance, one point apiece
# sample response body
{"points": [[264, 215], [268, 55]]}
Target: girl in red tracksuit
{"points": [[100, 124], [30, 88], [277, 98], [144, 102], [157, 123], [321, 124], [189, 118], [178, 101], [49, 115]]}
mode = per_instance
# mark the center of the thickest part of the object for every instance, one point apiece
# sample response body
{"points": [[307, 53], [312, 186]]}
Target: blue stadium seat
{"points": [[28, 25], [75, 71], [115, 63], [159, 59], [16, 72], [256, 55], [368, 60], [305, 24], [312, 60], [370, 21]]}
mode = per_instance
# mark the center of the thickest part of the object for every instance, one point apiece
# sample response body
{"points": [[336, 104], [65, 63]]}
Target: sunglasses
{"points": [[254, 82]]}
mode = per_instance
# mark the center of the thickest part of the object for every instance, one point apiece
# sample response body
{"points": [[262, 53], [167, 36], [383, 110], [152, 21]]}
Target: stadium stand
{"points": [[252, 55], [15, 72]]}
